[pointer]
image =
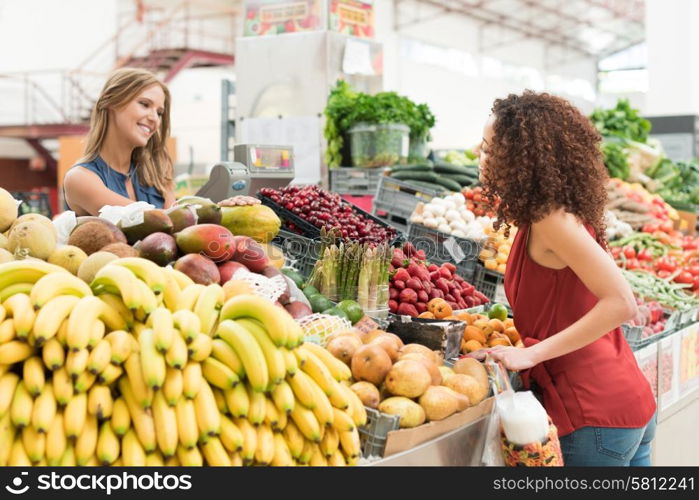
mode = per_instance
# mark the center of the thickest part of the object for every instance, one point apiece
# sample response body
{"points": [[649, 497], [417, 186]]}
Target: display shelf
{"points": [[356, 181]]}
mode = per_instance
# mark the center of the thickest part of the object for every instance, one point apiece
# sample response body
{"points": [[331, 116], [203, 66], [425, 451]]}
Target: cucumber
{"points": [[444, 168], [450, 184], [463, 180], [427, 185], [415, 176], [411, 168]]}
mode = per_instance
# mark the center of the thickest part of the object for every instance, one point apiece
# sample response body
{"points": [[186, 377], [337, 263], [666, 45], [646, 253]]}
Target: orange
{"points": [[464, 316], [501, 258], [496, 325], [470, 346], [499, 341], [426, 314], [512, 334], [474, 333], [508, 322], [440, 308], [491, 264], [501, 268]]}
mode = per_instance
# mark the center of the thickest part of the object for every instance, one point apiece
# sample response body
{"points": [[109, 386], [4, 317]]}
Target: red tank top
{"points": [[599, 385]]}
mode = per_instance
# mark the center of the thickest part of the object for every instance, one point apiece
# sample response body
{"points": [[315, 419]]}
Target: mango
{"points": [[154, 221], [208, 212], [182, 217], [160, 248], [200, 269], [211, 240], [250, 253]]}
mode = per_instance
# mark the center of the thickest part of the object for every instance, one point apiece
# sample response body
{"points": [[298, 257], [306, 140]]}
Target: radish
{"points": [[414, 284], [407, 310], [398, 284], [422, 296], [408, 295]]}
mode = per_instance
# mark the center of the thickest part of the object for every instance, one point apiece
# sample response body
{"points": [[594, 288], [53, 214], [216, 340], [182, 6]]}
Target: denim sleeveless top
{"points": [[116, 181]]}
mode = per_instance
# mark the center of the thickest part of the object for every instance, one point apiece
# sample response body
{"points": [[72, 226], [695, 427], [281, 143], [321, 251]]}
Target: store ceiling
{"points": [[582, 28]]}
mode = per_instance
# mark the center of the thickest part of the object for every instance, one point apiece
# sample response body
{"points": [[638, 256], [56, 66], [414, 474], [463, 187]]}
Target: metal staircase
{"points": [[43, 105]]}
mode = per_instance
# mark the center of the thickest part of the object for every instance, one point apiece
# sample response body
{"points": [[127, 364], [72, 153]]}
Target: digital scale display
{"points": [[269, 158]]}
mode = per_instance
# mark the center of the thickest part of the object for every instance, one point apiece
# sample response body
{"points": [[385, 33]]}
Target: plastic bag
{"points": [[127, 216], [64, 225], [523, 418]]}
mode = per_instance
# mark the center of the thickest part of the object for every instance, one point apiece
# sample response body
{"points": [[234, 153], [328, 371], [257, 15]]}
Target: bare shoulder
{"points": [[77, 175], [558, 225]]}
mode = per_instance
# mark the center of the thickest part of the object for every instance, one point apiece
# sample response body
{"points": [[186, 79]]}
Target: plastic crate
{"points": [[356, 181], [400, 198], [490, 284], [301, 252], [33, 202], [400, 223], [373, 435], [440, 248]]}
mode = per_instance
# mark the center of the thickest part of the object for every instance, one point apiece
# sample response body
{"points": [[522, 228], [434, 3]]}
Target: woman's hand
{"points": [[515, 358]]}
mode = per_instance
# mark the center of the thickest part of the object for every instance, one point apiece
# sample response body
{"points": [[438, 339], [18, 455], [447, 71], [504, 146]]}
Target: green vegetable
{"points": [[443, 168], [463, 180], [293, 276], [436, 188], [411, 168], [615, 160], [450, 184], [417, 176], [621, 121], [310, 291], [667, 293], [336, 311], [319, 303]]}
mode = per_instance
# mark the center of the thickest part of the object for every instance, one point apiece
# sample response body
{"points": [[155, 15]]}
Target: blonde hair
{"points": [[153, 163]]}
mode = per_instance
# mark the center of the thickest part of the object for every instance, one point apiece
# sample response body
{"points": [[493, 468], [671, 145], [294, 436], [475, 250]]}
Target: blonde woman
{"points": [[125, 157]]}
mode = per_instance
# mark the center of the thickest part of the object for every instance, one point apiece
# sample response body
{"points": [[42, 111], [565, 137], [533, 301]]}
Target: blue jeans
{"points": [[608, 446]]}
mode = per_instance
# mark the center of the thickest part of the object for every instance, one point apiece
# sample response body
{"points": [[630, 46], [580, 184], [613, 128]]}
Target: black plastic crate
{"points": [[490, 283], [374, 434], [354, 181], [440, 248], [301, 253], [399, 198], [33, 202], [400, 223]]}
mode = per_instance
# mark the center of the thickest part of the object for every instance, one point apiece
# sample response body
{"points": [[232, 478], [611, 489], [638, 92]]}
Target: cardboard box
{"points": [[687, 222], [406, 439]]}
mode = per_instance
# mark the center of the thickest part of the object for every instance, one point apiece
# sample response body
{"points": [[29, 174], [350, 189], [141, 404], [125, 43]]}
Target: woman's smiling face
{"points": [[141, 117]]}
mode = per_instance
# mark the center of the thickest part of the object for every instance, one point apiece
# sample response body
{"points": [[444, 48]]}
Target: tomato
{"points": [[684, 277], [696, 282], [629, 252], [666, 264], [477, 198], [616, 252], [468, 195], [694, 269], [667, 226], [645, 255], [632, 264], [663, 274]]}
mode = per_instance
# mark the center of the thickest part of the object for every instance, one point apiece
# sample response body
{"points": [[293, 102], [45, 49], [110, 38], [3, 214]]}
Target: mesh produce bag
{"points": [[269, 288], [318, 328]]}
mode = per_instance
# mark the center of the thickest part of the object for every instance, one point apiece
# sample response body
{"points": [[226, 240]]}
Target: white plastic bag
{"points": [[523, 418], [129, 215], [64, 225]]}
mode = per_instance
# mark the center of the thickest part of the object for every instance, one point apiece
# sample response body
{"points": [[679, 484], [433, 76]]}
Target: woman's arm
{"points": [[169, 195], [562, 234], [84, 190]]}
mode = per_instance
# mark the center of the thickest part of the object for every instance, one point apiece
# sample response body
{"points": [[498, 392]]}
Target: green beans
{"points": [[666, 292]]}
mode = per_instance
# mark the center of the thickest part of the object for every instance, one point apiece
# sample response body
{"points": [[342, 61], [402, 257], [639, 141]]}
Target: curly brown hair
{"points": [[544, 155]]}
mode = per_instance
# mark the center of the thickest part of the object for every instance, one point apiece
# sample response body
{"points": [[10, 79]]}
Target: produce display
{"points": [[407, 380], [326, 210], [633, 204], [414, 283], [489, 330], [677, 183], [476, 203], [449, 215], [669, 294], [146, 367], [437, 176], [651, 316]]}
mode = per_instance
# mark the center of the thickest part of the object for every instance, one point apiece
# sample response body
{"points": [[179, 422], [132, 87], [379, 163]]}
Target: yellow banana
{"points": [[220, 401], [191, 379], [282, 455], [356, 408], [100, 402], [25, 271], [99, 357], [189, 457], [14, 289], [187, 429], [8, 384], [303, 388], [307, 452], [207, 306], [7, 330], [171, 293], [121, 280], [84, 381], [108, 446], [315, 368], [342, 422], [283, 397], [18, 455], [144, 269], [44, 410], [163, 326], [264, 454], [218, 374], [215, 454], [165, 419], [155, 459], [236, 460], [330, 442], [249, 352], [223, 352], [53, 354], [34, 443], [15, 351], [339, 370], [62, 386], [231, 436], [57, 284], [96, 334], [75, 416], [20, 307], [317, 458], [183, 281], [62, 333], [172, 388], [115, 302], [3, 313], [350, 443], [110, 374], [339, 398], [22, 406], [142, 392], [121, 418], [249, 439], [252, 306], [176, 356], [237, 401], [337, 459], [306, 422], [56, 441], [141, 419], [272, 417], [50, 317], [276, 365], [188, 323], [258, 406], [188, 297], [85, 312], [33, 375], [86, 442], [200, 348], [119, 346], [294, 439], [323, 409], [292, 364], [208, 417], [68, 458], [152, 362], [76, 362], [132, 452]]}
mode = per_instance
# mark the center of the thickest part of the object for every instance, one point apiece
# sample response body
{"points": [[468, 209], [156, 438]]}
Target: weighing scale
{"points": [[255, 167]]}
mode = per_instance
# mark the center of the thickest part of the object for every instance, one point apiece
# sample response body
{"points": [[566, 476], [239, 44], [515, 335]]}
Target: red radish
{"points": [[443, 285], [470, 301], [399, 284], [468, 289], [392, 293], [408, 295], [402, 275], [445, 273], [450, 266], [449, 298], [434, 294], [432, 268], [421, 255], [413, 283], [434, 276], [422, 296], [397, 262], [481, 297], [453, 305], [421, 307], [409, 249], [407, 310], [459, 278], [427, 286], [393, 306], [440, 293]]}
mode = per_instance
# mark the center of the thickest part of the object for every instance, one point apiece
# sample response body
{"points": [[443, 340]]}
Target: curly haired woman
{"points": [[540, 157]]}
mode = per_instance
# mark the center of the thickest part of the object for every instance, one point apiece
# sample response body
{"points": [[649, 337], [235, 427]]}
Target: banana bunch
{"points": [[145, 367]]}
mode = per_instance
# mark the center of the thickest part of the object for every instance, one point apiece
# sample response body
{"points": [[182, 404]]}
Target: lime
{"points": [[353, 310], [336, 311], [498, 311], [319, 303], [310, 290], [294, 276]]}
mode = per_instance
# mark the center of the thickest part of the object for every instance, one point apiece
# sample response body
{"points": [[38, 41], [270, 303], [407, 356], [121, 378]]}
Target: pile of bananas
{"points": [[145, 367]]}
